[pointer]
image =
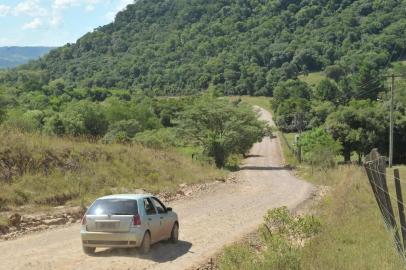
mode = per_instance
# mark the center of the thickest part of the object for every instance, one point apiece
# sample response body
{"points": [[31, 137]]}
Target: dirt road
{"points": [[208, 221]]}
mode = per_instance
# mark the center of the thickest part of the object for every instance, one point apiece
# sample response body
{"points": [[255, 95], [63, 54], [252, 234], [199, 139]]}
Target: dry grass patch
{"points": [[40, 170]]}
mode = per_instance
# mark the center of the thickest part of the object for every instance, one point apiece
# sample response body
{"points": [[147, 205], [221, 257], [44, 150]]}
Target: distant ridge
{"points": [[13, 56]]}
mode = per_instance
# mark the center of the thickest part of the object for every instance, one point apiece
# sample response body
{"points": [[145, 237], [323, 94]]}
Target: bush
{"points": [[25, 121], [122, 131], [334, 72], [319, 148], [282, 235], [158, 139], [84, 118]]}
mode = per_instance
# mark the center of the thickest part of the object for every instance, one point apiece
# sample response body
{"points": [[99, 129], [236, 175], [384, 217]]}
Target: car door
{"points": [[166, 223], [153, 220]]}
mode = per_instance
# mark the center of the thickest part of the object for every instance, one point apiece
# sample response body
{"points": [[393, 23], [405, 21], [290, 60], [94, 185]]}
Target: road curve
{"points": [[208, 221]]}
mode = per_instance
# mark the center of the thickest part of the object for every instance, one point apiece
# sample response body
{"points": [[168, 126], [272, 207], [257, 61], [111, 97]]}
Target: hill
{"points": [[241, 47], [11, 57]]}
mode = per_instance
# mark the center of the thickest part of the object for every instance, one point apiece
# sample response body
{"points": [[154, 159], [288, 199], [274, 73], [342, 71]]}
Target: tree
{"points": [[290, 89], [293, 114], [84, 118], [368, 83], [222, 128], [359, 126], [327, 91], [334, 72], [319, 148]]}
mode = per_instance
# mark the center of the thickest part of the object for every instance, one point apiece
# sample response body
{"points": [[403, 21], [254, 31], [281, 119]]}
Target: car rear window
{"points": [[113, 207]]}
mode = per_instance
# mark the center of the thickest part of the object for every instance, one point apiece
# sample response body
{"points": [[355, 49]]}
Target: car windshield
{"points": [[113, 207]]}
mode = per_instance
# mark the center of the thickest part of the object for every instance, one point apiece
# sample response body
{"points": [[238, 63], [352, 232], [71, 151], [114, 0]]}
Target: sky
{"points": [[53, 22]]}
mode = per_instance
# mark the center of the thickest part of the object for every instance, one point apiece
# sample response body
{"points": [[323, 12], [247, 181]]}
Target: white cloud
{"points": [[4, 10], [62, 4], [31, 8], [34, 24], [59, 5], [56, 19], [89, 8], [122, 4]]}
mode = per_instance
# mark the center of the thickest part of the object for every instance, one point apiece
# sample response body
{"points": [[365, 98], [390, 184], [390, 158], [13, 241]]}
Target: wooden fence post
{"points": [[400, 206], [371, 179], [376, 165]]}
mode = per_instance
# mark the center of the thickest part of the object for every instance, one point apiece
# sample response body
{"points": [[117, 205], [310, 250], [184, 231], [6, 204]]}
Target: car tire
{"points": [[146, 244], [89, 250], [174, 233]]}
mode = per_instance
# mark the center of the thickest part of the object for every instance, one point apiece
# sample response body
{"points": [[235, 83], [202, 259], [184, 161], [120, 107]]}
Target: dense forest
{"points": [[240, 46], [227, 47]]}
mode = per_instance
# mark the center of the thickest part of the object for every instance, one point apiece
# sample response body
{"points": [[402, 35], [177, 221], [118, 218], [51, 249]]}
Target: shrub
{"points": [[281, 234], [158, 139], [122, 131], [84, 118], [319, 148]]}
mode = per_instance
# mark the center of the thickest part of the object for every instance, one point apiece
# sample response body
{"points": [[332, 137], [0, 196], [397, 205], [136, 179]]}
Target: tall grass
{"points": [[353, 234], [40, 170]]}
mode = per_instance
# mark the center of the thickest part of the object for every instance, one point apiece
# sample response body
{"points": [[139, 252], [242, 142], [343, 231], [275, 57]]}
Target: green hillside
{"points": [[339, 50], [240, 46]]}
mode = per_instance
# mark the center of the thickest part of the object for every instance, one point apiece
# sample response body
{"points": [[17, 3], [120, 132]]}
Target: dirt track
{"points": [[209, 220]]}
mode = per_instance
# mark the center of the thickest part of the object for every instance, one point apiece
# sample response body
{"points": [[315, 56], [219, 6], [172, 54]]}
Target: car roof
{"points": [[126, 196]]}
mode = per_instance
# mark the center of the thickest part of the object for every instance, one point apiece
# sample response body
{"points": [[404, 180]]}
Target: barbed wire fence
{"points": [[375, 166]]}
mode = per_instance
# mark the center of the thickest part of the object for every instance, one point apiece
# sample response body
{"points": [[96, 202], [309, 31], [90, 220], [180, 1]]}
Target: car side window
{"points": [[149, 207], [159, 206]]}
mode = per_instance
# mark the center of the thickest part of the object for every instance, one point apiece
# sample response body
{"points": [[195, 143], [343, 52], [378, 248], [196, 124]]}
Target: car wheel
{"points": [[146, 243], [175, 233], [89, 250]]}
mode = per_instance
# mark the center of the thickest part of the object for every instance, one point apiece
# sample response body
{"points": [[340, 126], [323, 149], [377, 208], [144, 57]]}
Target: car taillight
{"points": [[136, 220], [84, 220]]}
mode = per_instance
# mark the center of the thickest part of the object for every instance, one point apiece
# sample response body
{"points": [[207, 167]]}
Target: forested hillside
{"points": [[13, 56], [241, 46], [102, 85]]}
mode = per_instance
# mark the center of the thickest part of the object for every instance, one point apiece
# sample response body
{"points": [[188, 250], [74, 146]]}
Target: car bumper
{"points": [[112, 240]]}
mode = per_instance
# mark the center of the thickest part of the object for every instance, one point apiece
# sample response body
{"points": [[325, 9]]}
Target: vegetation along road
{"points": [[208, 221]]}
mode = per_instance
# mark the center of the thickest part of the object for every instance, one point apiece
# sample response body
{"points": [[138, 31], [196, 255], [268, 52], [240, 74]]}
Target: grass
{"points": [[312, 79], [263, 102], [40, 171], [353, 235], [290, 157]]}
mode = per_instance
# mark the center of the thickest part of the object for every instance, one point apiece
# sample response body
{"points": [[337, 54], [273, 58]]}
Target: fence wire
{"points": [[375, 166]]}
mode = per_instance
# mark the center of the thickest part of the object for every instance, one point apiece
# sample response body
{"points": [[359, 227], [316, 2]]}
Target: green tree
{"points": [[327, 91], [222, 128], [359, 126], [293, 114], [319, 148], [334, 72], [84, 118]]}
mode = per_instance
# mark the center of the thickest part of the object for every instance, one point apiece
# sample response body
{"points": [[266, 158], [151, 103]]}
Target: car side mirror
{"points": [[169, 209]]}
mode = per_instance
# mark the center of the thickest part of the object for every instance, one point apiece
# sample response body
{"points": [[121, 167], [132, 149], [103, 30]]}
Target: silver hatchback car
{"points": [[128, 221]]}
